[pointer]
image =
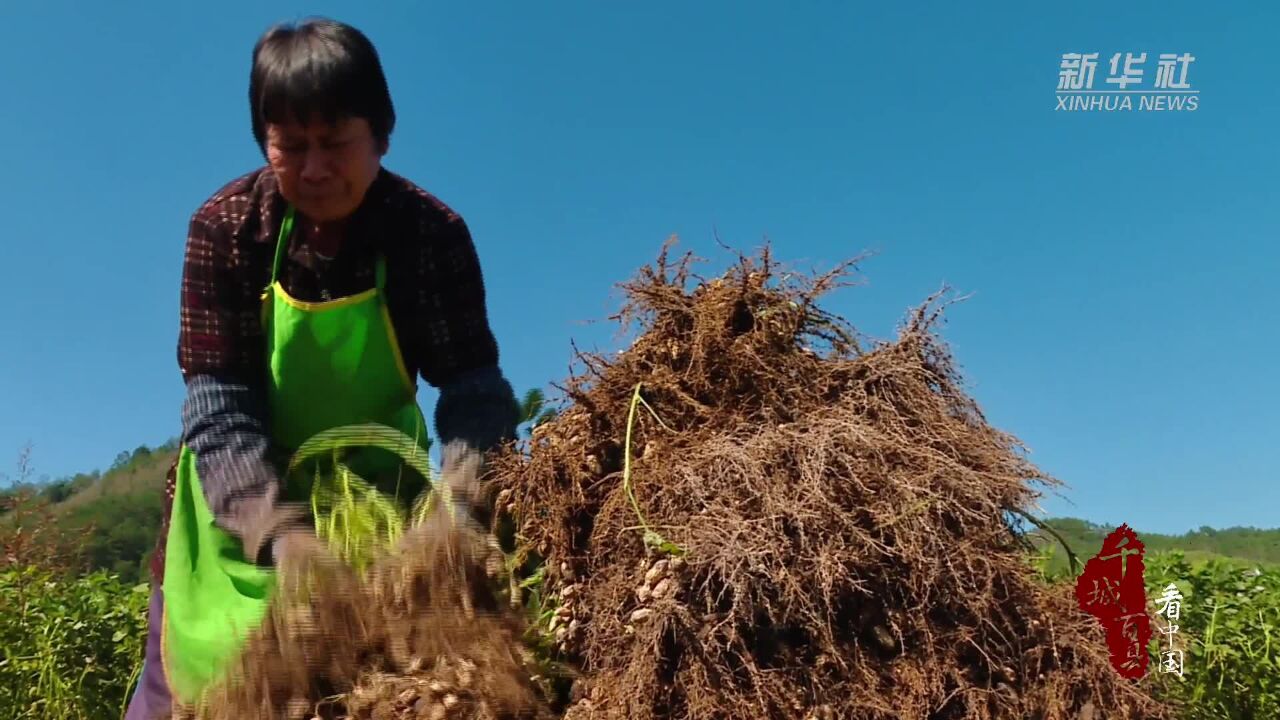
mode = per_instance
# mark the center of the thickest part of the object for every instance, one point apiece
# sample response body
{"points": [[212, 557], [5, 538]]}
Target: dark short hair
{"points": [[319, 68]]}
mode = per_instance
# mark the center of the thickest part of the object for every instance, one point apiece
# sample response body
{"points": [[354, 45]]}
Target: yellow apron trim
{"points": [[325, 305], [349, 300], [409, 385]]}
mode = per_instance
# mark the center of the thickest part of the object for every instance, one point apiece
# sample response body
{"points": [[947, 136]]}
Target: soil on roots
{"points": [[816, 525]]}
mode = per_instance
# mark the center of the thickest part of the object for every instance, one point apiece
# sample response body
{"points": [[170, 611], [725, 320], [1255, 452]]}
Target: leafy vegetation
{"points": [[1227, 629], [70, 647], [534, 410], [1227, 619]]}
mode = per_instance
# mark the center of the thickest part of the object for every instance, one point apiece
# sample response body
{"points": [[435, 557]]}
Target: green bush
{"points": [[1227, 629], [70, 647]]}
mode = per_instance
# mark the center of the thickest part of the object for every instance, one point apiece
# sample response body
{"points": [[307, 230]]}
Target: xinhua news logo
{"points": [[1127, 85]]}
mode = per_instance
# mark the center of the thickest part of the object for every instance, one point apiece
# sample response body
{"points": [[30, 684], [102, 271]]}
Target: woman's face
{"points": [[324, 169]]}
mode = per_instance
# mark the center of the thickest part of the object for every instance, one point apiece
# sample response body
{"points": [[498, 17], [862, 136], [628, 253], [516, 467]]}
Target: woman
{"points": [[315, 290]]}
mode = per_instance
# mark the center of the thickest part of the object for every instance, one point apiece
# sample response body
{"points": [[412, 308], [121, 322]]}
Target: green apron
{"points": [[329, 364]]}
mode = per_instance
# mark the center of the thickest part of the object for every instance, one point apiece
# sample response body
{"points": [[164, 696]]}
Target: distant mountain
{"points": [[1242, 545]]}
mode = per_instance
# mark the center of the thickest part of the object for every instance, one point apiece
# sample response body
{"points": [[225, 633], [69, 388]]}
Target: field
{"points": [[70, 645]]}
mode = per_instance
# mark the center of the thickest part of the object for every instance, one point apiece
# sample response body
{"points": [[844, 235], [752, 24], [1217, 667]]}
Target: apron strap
{"points": [[286, 229]]}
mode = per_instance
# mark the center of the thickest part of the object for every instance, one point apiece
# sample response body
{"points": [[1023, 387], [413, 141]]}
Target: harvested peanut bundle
{"points": [[755, 512]]}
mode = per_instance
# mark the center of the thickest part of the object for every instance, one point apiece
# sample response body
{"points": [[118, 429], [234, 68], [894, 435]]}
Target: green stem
{"points": [[626, 457], [651, 537]]}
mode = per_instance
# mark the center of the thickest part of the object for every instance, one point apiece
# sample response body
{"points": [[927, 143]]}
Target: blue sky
{"points": [[1119, 322]]}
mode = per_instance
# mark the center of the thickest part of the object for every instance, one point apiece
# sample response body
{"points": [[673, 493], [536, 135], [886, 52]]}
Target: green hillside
{"points": [[114, 517], [1239, 545]]}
